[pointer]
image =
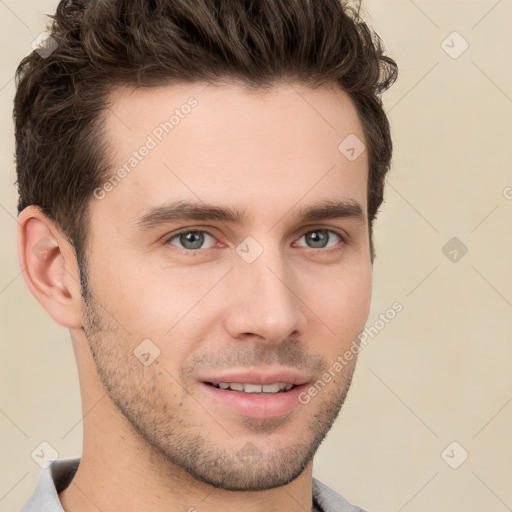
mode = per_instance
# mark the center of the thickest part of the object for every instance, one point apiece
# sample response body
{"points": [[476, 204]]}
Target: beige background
{"points": [[440, 371]]}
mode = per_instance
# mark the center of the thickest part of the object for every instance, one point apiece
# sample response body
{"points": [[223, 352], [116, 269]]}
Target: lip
{"points": [[260, 378], [256, 405]]}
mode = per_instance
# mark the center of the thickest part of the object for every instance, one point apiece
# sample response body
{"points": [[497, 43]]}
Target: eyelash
{"points": [[193, 252]]}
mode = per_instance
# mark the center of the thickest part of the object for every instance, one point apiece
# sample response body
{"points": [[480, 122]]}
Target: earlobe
{"points": [[49, 267]]}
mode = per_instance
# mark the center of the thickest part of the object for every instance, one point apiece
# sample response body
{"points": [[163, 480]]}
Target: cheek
{"points": [[170, 307], [341, 305]]}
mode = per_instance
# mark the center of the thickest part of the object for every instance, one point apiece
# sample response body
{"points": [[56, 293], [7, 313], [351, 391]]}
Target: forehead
{"points": [[226, 144]]}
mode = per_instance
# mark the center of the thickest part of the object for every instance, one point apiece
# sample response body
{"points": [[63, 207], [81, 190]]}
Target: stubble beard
{"points": [[135, 392]]}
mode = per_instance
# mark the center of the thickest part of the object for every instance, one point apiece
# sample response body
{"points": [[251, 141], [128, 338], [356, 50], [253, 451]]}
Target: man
{"points": [[198, 182]]}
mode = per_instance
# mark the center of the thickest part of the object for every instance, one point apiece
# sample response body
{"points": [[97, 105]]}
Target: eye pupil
{"points": [[192, 239], [318, 239]]}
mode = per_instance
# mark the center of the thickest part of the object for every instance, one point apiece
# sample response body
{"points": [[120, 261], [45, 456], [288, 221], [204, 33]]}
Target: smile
{"points": [[277, 387]]}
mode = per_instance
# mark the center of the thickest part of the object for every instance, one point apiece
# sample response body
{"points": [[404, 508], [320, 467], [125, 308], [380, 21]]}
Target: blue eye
{"points": [[195, 240], [192, 240], [320, 238]]}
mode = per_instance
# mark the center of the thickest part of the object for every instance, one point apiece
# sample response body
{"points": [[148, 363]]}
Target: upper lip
{"points": [[259, 377]]}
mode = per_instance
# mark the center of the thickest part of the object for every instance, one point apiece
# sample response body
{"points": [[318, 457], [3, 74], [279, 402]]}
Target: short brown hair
{"points": [[61, 153]]}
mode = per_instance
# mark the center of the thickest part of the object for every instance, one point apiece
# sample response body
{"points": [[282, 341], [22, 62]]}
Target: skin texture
{"points": [[151, 430]]}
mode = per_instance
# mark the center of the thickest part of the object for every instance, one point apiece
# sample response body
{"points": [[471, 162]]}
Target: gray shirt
{"points": [[58, 475]]}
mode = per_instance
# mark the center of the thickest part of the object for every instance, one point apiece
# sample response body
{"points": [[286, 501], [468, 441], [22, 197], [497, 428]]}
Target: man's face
{"points": [[184, 304]]}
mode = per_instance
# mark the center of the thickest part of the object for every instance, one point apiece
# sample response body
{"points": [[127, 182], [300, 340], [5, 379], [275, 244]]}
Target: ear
{"points": [[49, 266]]}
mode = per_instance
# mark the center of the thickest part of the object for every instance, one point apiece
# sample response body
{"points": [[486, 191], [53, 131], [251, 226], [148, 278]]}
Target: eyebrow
{"points": [[199, 211]]}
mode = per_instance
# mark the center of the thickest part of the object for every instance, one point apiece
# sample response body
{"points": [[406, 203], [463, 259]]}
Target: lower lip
{"points": [[256, 405]]}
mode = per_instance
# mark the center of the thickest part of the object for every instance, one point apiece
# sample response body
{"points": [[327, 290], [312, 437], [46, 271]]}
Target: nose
{"points": [[263, 301]]}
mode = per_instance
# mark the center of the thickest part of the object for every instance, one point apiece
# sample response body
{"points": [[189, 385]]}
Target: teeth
{"points": [[251, 388], [255, 388], [271, 388]]}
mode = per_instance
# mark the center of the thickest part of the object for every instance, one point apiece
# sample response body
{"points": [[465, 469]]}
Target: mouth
{"points": [[271, 389], [255, 395]]}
